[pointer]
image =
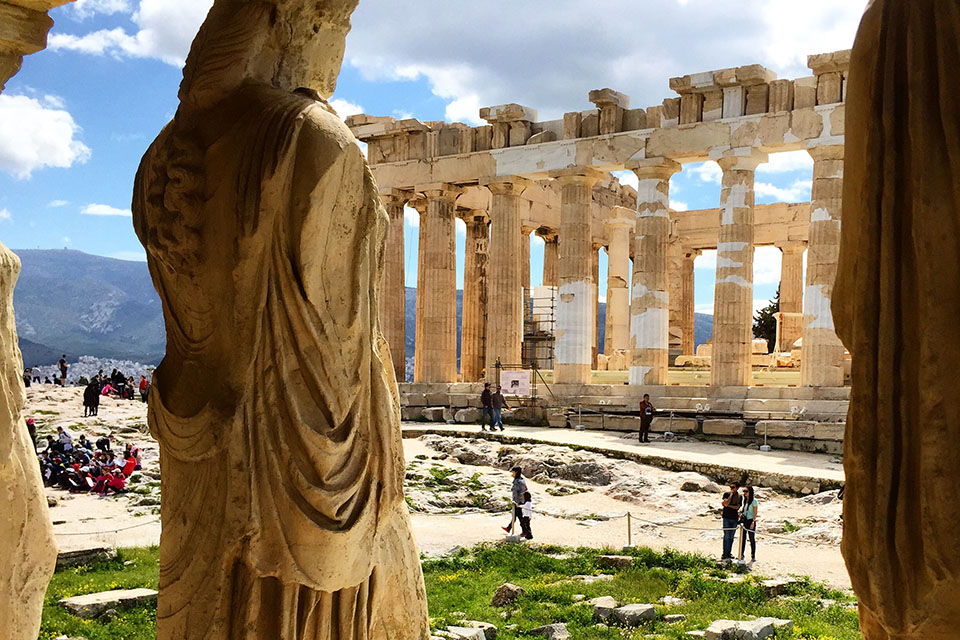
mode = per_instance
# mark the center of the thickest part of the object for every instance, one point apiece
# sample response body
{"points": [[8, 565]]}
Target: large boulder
{"points": [[489, 630], [506, 594], [603, 607], [633, 615], [616, 562], [471, 415], [556, 631], [465, 633], [433, 414]]}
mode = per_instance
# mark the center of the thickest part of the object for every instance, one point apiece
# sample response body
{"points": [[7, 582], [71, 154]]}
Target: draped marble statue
{"points": [[29, 552], [897, 305], [276, 405]]}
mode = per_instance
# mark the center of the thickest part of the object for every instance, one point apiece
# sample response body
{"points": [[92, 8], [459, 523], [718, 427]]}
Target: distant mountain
{"points": [[75, 303]]}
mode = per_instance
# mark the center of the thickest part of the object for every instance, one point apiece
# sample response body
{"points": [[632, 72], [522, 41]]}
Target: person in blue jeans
{"points": [[499, 404], [486, 404], [731, 517], [748, 517]]}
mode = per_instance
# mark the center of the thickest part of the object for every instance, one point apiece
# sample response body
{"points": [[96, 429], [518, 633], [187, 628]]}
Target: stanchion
{"points": [[629, 532]]}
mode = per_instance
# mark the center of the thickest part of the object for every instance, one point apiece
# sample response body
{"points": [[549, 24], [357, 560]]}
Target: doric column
{"points": [[821, 363], [473, 319], [436, 348], [505, 281], [649, 309], [525, 232], [550, 257], [393, 284], [791, 293], [675, 293], [619, 225], [733, 295], [595, 302], [575, 326], [688, 317]]}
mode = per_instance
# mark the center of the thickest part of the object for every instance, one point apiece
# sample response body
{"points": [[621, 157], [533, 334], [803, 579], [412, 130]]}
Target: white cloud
{"points": [[709, 172], [35, 134], [706, 260], [786, 162], [104, 210], [411, 217], [66, 240], [58, 203], [704, 308], [679, 205], [766, 265], [799, 191], [5, 214], [460, 227], [135, 256], [165, 29], [86, 8], [628, 178], [345, 108]]}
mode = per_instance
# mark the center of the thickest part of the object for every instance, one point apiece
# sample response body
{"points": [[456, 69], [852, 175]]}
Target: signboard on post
{"points": [[515, 383]]}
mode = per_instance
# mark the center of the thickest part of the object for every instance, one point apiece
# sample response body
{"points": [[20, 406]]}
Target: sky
{"points": [[77, 118]]}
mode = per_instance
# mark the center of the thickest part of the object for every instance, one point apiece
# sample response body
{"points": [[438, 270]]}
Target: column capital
{"points": [[739, 159], [691, 254], [505, 185], [548, 235], [526, 229], [473, 215], [828, 152], [578, 175], [419, 204], [440, 191], [792, 246], [620, 218], [390, 196], [661, 168]]}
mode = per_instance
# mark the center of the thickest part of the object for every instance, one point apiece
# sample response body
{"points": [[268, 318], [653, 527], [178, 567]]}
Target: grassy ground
{"points": [[461, 586]]}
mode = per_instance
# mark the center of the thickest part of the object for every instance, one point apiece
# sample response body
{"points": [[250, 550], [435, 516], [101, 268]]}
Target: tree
{"points": [[765, 325]]}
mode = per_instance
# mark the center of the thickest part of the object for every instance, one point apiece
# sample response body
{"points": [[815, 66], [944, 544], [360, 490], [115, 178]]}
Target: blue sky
{"points": [[77, 118]]}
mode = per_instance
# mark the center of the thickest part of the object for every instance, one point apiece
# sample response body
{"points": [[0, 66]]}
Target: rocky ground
{"points": [[458, 493]]}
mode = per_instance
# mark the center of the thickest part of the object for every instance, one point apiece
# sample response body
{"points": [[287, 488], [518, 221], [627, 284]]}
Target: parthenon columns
{"points": [[688, 316], [595, 302], [393, 285], [649, 312], [436, 347], [473, 323], [619, 225], [505, 301], [575, 325], [733, 297], [675, 293], [821, 364], [550, 257], [791, 294]]}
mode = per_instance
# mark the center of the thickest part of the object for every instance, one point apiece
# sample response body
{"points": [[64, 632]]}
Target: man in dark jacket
{"points": [[486, 403], [646, 417]]}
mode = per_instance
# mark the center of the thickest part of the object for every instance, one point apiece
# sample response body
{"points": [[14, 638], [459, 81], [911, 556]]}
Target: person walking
{"points": [[499, 404], [144, 388], [486, 407], [526, 512], [748, 520], [731, 517], [646, 417], [36, 373], [91, 398], [63, 366], [516, 497]]}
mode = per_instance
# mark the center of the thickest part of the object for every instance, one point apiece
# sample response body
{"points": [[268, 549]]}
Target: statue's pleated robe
{"points": [[275, 407], [897, 308]]}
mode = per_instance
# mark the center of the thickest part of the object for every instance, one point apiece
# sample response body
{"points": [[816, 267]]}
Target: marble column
{"points": [[649, 309], [619, 224], [733, 295], [473, 319], [688, 316], [525, 310], [595, 302], [608, 318], [436, 348], [575, 326], [791, 293], [550, 257], [675, 294], [505, 281], [393, 285], [821, 363]]}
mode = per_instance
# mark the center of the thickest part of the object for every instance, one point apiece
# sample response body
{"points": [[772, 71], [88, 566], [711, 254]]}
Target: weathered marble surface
{"points": [[276, 405], [29, 552], [896, 302]]}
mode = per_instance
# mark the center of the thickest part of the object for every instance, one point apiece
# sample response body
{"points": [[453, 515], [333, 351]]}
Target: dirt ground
{"points": [[459, 491]]}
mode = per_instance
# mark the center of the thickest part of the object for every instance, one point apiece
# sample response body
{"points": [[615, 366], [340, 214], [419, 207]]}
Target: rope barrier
{"points": [[630, 517], [98, 533]]}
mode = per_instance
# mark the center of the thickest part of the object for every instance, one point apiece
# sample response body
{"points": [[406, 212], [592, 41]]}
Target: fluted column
{"points": [[649, 309], [791, 293], [619, 225], [393, 283], [550, 258], [821, 363], [733, 295], [595, 302], [688, 316], [505, 281], [575, 326], [675, 293], [473, 317], [436, 348], [525, 232]]}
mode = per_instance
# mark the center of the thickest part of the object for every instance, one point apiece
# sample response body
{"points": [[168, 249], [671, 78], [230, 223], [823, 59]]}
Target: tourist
{"points": [[46, 380], [63, 366], [85, 444], [731, 517], [132, 451], [646, 417], [130, 463], [486, 407], [516, 496], [91, 399], [499, 404], [36, 373], [27, 377], [144, 388], [748, 520], [65, 439], [526, 512], [103, 443]]}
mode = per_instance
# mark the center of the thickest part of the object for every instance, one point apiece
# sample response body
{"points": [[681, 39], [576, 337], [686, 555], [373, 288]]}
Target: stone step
{"points": [[93, 605]]}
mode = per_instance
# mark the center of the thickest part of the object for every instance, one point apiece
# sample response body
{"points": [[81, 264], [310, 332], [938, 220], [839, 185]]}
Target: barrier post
{"points": [[629, 531]]}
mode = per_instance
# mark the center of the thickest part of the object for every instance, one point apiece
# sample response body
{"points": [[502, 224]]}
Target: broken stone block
{"points": [[506, 594], [433, 414], [616, 562], [634, 615], [571, 125], [724, 427], [603, 607], [90, 555], [634, 119], [470, 415], [676, 425], [674, 618], [489, 630], [94, 604], [805, 92], [465, 633], [757, 99], [829, 88], [557, 631]]}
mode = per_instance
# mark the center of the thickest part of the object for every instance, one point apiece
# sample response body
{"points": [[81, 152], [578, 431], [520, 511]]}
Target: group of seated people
{"points": [[115, 386], [83, 466]]}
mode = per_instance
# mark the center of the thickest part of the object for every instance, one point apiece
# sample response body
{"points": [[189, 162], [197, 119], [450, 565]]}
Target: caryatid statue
{"points": [[276, 406]]}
